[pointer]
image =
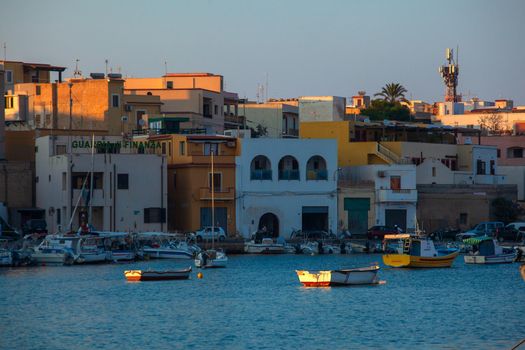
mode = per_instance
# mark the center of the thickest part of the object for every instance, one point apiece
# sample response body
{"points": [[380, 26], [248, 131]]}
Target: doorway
{"points": [[271, 223]]}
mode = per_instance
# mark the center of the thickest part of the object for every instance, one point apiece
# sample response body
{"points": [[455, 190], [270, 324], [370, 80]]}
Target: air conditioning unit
{"points": [[381, 173], [230, 144], [127, 108], [124, 118]]}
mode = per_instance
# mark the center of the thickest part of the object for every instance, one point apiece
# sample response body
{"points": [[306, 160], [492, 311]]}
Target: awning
{"points": [[477, 240]]}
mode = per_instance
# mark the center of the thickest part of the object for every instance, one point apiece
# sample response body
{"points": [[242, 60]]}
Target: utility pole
{"points": [[70, 155]]}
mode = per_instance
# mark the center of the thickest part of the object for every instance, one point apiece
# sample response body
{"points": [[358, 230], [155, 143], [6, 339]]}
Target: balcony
{"points": [[223, 194], [261, 174], [288, 174], [291, 133], [404, 195], [97, 199], [317, 175]]}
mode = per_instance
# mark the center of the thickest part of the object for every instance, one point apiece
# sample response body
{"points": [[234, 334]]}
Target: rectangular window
{"points": [[64, 181], [154, 215], [38, 90], [499, 153], [122, 181], [78, 180], [216, 110], [59, 216], [37, 120], [395, 182], [210, 148], [182, 148], [169, 84], [9, 102], [463, 218], [115, 101], [433, 171], [140, 119], [169, 148], [492, 167], [164, 148], [217, 177], [480, 167], [174, 179], [9, 76]]}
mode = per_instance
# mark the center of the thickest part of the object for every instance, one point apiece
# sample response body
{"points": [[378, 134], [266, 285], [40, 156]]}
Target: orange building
{"points": [[190, 178]]}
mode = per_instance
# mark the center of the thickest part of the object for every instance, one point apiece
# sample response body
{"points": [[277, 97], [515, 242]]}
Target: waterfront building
{"points": [[190, 178], [278, 118], [508, 120], [199, 97], [321, 108], [285, 185], [444, 168], [370, 195], [129, 184]]}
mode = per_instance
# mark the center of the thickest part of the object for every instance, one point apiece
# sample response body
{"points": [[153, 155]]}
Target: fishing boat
{"points": [[522, 271], [57, 250], [486, 250], [346, 277], [139, 275], [212, 258], [264, 246], [169, 250], [416, 251]]}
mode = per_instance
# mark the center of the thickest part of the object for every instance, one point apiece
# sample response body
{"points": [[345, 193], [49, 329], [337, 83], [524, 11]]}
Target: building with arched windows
{"points": [[285, 185]]}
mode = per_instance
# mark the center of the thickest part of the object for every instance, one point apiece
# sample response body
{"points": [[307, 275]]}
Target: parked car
{"points": [[514, 231], [205, 234], [447, 233], [379, 232], [489, 228], [35, 226]]}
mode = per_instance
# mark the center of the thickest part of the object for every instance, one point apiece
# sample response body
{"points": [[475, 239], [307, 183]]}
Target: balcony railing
{"points": [[223, 194], [291, 132], [261, 174], [288, 174], [317, 175]]}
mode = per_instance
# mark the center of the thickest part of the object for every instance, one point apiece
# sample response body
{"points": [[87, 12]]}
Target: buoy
{"points": [[199, 275]]}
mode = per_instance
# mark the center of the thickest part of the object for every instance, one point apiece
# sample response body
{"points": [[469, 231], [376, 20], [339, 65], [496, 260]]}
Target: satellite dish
{"points": [[142, 122]]}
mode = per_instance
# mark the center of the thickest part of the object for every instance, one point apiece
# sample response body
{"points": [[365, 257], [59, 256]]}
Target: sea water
{"points": [[257, 302]]}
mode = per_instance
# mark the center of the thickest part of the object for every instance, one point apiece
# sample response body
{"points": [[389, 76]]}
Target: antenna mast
{"points": [[77, 73], [450, 73], [5, 51]]}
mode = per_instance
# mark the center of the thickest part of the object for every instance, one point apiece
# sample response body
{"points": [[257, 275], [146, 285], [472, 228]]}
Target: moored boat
{"points": [[345, 277], [57, 250], [139, 275], [265, 246], [417, 252], [211, 258], [486, 250]]}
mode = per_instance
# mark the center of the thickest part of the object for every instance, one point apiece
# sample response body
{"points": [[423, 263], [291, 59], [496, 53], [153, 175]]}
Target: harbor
{"points": [[258, 303]]}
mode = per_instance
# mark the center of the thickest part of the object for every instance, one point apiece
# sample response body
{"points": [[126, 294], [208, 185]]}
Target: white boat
{"points": [[326, 278], [266, 246], [309, 248], [169, 250], [211, 259], [122, 255], [92, 250], [486, 250], [56, 250], [6, 257]]}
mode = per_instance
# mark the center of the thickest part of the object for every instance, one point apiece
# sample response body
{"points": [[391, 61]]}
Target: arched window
{"points": [[288, 168], [316, 169], [260, 168]]}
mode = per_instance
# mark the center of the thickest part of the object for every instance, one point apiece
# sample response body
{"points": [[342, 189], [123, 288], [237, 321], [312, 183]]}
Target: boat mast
{"points": [[212, 204], [90, 220]]}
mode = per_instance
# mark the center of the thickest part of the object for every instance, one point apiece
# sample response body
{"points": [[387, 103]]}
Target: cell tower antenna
{"points": [[5, 51], [450, 73], [77, 73], [106, 61], [165, 67]]}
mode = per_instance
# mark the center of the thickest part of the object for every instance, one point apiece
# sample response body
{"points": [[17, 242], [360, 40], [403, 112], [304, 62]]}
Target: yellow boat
{"points": [[418, 252]]}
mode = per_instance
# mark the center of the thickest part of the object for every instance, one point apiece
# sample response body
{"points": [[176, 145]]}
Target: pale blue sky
{"points": [[306, 47]]}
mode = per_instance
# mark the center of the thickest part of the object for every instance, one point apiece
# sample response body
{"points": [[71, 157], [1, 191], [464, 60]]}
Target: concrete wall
{"points": [[270, 115], [515, 175], [321, 108], [284, 198]]}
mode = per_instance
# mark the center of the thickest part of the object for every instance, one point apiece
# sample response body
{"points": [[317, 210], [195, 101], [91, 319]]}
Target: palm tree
{"points": [[393, 92]]}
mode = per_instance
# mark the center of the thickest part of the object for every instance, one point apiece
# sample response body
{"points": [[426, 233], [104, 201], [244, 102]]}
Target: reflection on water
{"points": [[258, 303]]}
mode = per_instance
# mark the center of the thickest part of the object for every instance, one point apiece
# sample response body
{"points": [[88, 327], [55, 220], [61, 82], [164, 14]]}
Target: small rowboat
{"points": [[139, 275], [362, 275]]}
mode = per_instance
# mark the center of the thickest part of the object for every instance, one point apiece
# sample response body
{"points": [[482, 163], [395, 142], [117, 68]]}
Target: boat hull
{"points": [[49, 258], [367, 275], [138, 275], [168, 254], [264, 249], [216, 260], [122, 255], [401, 260], [491, 259]]}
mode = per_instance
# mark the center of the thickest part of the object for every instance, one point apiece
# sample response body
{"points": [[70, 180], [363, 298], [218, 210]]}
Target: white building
{"points": [[129, 189], [377, 195], [286, 185], [321, 108]]}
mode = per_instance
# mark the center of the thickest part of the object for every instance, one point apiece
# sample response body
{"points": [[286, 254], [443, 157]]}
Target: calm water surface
{"points": [[258, 303]]}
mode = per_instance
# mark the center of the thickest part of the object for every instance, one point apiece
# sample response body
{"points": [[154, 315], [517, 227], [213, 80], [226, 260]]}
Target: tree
{"points": [[381, 110], [493, 123], [506, 210], [393, 92], [259, 131]]}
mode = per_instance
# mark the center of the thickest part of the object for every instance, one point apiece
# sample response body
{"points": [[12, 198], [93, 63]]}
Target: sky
{"points": [[302, 47]]}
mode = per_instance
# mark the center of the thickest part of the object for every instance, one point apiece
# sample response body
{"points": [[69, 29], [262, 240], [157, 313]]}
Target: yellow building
{"points": [[17, 72], [190, 179]]}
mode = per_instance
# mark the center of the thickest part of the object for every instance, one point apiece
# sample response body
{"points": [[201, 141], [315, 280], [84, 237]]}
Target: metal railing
{"points": [[288, 174], [317, 175], [261, 174]]}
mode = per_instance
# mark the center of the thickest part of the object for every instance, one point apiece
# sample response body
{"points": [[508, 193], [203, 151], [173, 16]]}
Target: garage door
{"points": [[396, 217]]}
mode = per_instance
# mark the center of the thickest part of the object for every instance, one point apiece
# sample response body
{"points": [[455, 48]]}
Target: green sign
{"points": [[117, 144]]}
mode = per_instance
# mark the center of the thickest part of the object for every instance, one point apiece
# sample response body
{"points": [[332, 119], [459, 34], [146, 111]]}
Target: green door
{"points": [[357, 211]]}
